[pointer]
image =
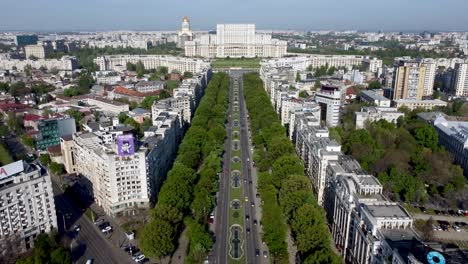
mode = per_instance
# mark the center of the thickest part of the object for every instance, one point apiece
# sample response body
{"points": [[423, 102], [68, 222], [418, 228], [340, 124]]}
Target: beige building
{"points": [[38, 51], [413, 104], [408, 80]]}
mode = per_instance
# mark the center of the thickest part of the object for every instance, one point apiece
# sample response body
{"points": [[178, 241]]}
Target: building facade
{"points": [[330, 98], [453, 135], [460, 80], [27, 206], [235, 41], [374, 114], [180, 64], [50, 131], [408, 80]]}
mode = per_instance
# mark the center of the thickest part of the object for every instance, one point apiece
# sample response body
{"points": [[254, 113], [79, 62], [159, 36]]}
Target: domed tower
{"points": [[185, 33]]}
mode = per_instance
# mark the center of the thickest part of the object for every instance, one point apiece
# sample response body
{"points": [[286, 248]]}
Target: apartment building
{"points": [[38, 51], [330, 98], [316, 149], [408, 80], [124, 173], [360, 217], [66, 63], [374, 98], [413, 104], [374, 114], [460, 80], [235, 41], [27, 206], [180, 64]]}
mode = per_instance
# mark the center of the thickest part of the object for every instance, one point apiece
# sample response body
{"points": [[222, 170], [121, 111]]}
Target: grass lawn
{"points": [[5, 157], [172, 84], [228, 63]]}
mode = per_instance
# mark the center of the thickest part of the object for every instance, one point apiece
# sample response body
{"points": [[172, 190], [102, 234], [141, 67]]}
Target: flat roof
{"points": [[386, 210]]}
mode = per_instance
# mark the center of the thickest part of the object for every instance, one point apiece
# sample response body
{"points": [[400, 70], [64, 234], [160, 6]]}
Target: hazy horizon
{"points": [[300, 15]]}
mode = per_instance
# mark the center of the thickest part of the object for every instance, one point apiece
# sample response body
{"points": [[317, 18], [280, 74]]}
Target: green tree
{"points": [[285, 166], [45, 159], [303, 94], [164, 94], [130, 66], [426, 136], [298, 76], [140, 69], [56, 168], [77, 115], [60, 256], [157, 238], [375, 85], [188, 75], [4, 87], [148, 102]]}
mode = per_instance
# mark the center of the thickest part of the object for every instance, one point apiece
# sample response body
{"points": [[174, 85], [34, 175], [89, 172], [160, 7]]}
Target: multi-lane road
{"points": [[251, 206], [88, 242]]}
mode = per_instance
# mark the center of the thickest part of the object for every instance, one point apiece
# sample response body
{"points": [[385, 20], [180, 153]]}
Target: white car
{"points": [[139, 258], [106, 229], [457, 228], [77, 228]]}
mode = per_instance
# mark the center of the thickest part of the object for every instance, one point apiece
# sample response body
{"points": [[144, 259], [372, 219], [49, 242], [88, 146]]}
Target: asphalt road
{"points": [[220, 248], [249, 190], [89, 242]]}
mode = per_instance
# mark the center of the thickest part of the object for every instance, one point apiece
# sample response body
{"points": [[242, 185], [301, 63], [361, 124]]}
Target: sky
{"points": [[387, 15]]}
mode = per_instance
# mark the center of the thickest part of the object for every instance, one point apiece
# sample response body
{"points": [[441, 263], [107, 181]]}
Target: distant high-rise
{"points": [[23, 40], [185, 33], [460, 80], [408, 80]]}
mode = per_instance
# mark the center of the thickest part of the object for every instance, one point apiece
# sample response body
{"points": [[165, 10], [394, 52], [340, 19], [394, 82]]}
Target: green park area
{"points": [[248, 63]]}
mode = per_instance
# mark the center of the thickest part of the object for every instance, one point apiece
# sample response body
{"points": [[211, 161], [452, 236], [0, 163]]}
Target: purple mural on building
{"points": [[125, 145]]}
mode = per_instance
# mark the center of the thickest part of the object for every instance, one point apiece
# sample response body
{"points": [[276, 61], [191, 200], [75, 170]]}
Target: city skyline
{"points": [[296, 15]]}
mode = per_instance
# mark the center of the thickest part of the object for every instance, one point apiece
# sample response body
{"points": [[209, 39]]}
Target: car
{"points": [[257, 252], [248, 230], [247, 217], [265, 254], [257, 195], [106, 229], [246, 199], [255, 221], [140, 258], [77, 228], [99, 221], [89, 261], [456, 228], [252, 204]]}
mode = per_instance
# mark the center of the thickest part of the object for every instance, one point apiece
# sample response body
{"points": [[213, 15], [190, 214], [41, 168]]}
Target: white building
{"points": [[460, 83], [429, 76], [66, 63], [359, 216], [27, 206], [330, 99], [38, 51], [374, 98], [149, 86], [373, 114], [185, 34], [316, 150], [180, 64], [373, 65], [235, 41], [413, 104], [453, 135]]}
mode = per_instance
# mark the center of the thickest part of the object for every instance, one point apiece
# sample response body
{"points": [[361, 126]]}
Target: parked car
{"points": [[456, 228], [106, 229], [139, 258], [255, 221], [265, 254], [99, 221], [77, 228]]}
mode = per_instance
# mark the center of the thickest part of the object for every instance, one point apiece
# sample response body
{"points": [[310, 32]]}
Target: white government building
{"points": [[180, 64], [235, 41], [27, 206]]}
